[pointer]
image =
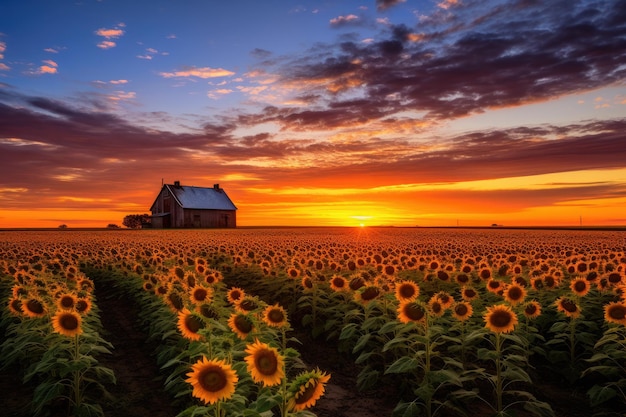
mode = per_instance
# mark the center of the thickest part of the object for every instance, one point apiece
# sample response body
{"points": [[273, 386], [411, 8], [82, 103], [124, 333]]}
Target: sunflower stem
{"points": [[572, 341], [498, 374]]}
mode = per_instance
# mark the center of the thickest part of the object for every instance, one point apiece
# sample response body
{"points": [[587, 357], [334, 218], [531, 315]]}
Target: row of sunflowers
{"points": [[454, 320]]}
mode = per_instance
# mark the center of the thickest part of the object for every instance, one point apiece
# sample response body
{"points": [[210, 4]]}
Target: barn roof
{"points": [[190, 197]]}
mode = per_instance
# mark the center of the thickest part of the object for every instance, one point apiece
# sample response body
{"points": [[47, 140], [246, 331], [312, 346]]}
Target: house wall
{"points": [[209, 218]]}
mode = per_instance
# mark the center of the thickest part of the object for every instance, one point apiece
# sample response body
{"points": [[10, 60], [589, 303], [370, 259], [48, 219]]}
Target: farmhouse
{"points": [[186, 206]]}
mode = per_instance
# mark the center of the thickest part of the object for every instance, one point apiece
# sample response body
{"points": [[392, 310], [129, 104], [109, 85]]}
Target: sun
{"points": [[361, 219]]}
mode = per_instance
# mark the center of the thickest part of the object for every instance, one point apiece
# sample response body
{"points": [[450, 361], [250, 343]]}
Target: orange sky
{"points": [[385, 113]]}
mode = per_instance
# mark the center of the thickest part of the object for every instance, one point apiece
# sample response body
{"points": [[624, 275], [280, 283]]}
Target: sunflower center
{"points": [[200, 294], [500, 319], [614, 277], [370, 293], [515, 293], [35, 306], [580, 286], [194, 324], [212, 379], [569, 305], [414, 312], [339, 283], [81, 305], [407, 291], [67, 301], [530, 309], [617, 312], [68, 322], [275, 316], [357, 283], [266, 362], [436, 307], [470, 293], [461, 309], [243, 324], [176, 300]]}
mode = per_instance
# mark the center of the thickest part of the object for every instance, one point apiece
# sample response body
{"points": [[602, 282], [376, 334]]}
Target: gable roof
{"points": [[189, 197]]}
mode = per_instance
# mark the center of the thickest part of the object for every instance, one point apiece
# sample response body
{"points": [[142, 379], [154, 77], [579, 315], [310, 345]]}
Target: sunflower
{"points": [[240, 324], [500, 319], [411, 311], [265, 364], [495, 286], [307, 283], [190, 324], [33, 307], [306, 389], [357, 282], [212, 380], [247, 304], [407, 291], [200, 294], [339, 283], [66, 301], [514, 294], [580, 286], [615, 313], [367, 294], [445, 299], [462, 310], [67, 323], [568, 307], [15, 306], [235, 294], [175, 301], [83, 305], [275, 316], [532, 309], [469, 293], [435, 306]]}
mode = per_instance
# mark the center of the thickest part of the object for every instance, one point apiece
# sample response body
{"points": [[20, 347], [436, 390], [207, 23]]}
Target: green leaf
{"points": [[361, 343], [402, 365]]}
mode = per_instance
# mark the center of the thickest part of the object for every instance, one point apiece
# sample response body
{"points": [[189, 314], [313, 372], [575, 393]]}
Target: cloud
{"points": [[204, 72], [3, 47], [106, 45], [344, 20], [386, 4], [486, 57], [108, 35]]}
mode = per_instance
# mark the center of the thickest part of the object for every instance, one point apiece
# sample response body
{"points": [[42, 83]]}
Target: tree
{"points": [[135, 221], [112, 226]]}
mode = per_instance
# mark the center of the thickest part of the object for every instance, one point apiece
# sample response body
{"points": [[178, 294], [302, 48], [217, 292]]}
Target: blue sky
{"points": [[372, 109]]}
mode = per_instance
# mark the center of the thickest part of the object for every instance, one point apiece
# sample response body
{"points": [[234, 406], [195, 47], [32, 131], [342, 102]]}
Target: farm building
{"points": [[187, 206]]}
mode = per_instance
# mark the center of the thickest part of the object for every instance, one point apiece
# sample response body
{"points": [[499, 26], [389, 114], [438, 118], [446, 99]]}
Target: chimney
{"points": [[216, 187], [176, 183]]}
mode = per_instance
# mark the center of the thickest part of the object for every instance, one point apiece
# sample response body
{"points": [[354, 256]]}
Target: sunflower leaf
{"points": [[402, 365]]}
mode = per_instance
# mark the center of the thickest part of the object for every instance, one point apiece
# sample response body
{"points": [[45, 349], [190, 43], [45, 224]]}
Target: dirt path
{"points": [[139, 389]]}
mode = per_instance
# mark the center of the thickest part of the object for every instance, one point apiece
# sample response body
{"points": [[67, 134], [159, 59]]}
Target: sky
{"points": [[315, 113]]}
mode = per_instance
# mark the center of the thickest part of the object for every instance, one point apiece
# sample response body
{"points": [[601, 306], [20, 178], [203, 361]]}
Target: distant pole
{"points": [[581, 221]]}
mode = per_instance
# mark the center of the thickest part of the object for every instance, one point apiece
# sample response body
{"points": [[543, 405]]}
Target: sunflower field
{"points": [[446, 322]]}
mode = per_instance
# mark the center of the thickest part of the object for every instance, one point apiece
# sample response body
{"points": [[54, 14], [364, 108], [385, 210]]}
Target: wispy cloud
{"points": [[202, 72]]}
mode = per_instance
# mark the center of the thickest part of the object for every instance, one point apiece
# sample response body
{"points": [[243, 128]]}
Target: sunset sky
{"points": [[416, 112]]}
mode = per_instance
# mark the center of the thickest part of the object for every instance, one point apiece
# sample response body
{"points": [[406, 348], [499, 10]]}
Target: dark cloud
{"points": [[527, 52], [386, 4]]}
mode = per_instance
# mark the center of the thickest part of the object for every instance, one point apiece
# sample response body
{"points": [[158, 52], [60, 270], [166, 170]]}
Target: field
{"points": [[313, 321]]}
